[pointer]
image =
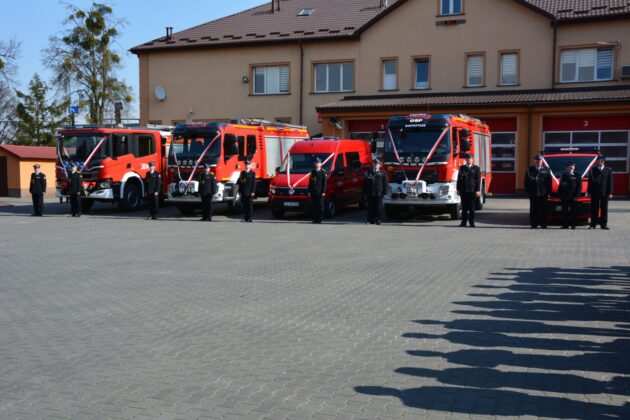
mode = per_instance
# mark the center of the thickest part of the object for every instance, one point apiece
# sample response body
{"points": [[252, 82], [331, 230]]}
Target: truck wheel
{"points": [[131, 199], [480, 200], [86, 204], [277, 213], [456, 212], [392, 212], [235, 206], [331, 208], [186, 209]]}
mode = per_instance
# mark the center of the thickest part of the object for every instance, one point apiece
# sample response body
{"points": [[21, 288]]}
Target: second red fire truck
{"points": [[226, 146]]}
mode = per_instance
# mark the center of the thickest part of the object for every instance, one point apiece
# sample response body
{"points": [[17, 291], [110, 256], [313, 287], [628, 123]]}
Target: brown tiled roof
{"points": [[30, 152], [340, 19], [479, 99], [568, 10], [331, 19]]}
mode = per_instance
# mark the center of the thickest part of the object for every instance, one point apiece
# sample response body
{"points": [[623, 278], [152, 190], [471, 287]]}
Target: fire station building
{"points": [[539, 72]]}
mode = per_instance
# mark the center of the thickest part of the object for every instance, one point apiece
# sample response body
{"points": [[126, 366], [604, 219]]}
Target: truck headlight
{"points": [[444, 190], [105, 185], [272, 189]]}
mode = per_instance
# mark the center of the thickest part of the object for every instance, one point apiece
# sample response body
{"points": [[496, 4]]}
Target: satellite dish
{"points": [[160, 93]]}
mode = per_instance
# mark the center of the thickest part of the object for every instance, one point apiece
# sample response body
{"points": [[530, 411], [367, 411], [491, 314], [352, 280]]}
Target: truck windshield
{"points": [[302, 163], [558, 164], [77, 148], [415, 145], [187, 150]]}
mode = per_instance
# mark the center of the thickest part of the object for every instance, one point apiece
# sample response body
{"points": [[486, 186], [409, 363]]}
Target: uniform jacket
{"points": [[317, 182], [538, 182], [153, 182], [600, 182], [375, 184], [247, 183], [468, 179], [570, 186], [207, 184], [75, 183], [38, 183]]}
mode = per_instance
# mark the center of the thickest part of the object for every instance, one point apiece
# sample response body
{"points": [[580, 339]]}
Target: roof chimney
{"points": [[169, 32]]}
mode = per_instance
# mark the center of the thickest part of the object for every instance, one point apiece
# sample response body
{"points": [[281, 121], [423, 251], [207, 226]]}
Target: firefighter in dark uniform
{"points": [[37, 189], [207, 190], [468, 188], [569, 191], [153, 182], [75, 188], [375, 186], [247, 190], [600, 187], [538, 187], [317, 190]]}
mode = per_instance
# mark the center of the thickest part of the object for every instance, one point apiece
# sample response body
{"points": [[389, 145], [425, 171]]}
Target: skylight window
{"points": [[306, 12]]}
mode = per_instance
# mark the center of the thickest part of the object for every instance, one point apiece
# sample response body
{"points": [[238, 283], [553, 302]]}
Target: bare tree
{"points": [[9, 52], [85, 61]]}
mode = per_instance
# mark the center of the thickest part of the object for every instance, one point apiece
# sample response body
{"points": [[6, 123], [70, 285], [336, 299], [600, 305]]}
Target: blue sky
{"points": [[33, 21]]}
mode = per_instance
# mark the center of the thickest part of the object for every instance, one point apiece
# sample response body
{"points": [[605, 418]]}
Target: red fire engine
{"points": [[113, 161], [226, 146], [556, 158], [422, 158]]}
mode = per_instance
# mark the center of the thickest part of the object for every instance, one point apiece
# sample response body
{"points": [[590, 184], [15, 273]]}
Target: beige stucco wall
{"points": [[19, 175], [209, 81]]}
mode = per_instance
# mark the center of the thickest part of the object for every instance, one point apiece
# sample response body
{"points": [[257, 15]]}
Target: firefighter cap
{"points": [[601, 158], [570, 163], [318, 160], [248, 162], [151, 163], [466, 155], [537, 158], [376, 162], [36, 166]]}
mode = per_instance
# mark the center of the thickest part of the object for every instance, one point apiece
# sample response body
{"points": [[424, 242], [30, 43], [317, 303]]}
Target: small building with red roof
{"points": [[16, 166]]}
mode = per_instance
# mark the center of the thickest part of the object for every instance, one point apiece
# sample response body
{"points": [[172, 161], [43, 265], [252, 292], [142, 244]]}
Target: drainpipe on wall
{"points": [[301, 83], [554, 23], [529, 131]]}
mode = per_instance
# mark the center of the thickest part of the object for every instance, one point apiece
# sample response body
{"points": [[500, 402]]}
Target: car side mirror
{"points": [[464, 145]]}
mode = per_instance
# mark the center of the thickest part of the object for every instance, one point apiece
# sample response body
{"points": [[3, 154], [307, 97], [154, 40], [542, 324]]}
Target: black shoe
{"points": [[605, 228], [203, 219], [592, 227], [33, 215], [572, 227], [249, 221], [472, 225], [544, 227], [378, 223], [564, 227], [154, 218], [462, 225], [148, 218], [209, 220], [243, 220], [534, 227]]}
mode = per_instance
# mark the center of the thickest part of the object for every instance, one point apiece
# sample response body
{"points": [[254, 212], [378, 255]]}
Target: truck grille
{"points": [[297, 191], [428, 176]]}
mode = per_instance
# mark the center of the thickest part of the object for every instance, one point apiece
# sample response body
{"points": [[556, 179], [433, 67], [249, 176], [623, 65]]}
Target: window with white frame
{"points": [[451, 7], [613, 144], [509, 69], [421, 76], [504, 152], [475, 70], [390, 74], [586, 65], [334, 77], [271, 80]]}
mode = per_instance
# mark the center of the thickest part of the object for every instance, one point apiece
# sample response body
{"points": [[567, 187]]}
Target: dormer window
{"points": [[306, 12], [451, 7]]}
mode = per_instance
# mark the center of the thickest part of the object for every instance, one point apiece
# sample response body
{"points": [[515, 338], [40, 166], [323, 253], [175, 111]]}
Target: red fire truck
{"points": [[422, 158], [226, 146], [112, 160], [556, 159]]}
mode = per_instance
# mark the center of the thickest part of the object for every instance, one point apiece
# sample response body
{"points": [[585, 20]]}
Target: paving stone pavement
{"points": [[112, 316]]}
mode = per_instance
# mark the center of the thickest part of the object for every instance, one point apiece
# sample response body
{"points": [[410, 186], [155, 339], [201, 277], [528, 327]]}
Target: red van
{"points": [[345, 161]]}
